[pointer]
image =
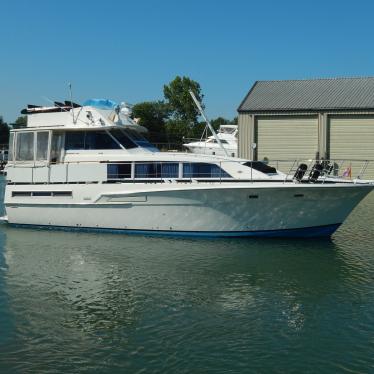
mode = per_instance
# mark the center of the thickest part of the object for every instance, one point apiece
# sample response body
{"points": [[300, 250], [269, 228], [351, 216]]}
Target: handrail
{"points": [[290, 170], [344, 169]]}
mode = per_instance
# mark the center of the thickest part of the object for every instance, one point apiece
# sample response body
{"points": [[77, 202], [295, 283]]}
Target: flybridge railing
{"points": [[303, 171]]}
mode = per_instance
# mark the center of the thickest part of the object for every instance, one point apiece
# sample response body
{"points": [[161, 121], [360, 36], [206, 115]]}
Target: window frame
{"points": [[17, 149], [84, 148], [61, 154], [126, 135], [11, 147], [115, 165], [36, 136], [179, 175], [157, 166], [223, 173]]}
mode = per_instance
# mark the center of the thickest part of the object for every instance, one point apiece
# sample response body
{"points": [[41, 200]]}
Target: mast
{"points": [[207, 122]]}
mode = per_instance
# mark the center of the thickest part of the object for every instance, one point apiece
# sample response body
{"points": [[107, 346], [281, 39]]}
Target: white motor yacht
{"points": [[90, 167], [227, 134]]}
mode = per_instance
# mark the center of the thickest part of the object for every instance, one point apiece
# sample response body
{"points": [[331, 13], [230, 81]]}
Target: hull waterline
{"points": [[306, 232]]}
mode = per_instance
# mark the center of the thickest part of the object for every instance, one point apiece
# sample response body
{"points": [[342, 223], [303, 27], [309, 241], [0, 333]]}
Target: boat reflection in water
{"points": [[133, 301]]}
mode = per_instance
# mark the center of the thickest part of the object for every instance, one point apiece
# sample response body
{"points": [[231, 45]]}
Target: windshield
{"points": [[135, 135], [227, 129], [122, 138], [140, 140], [89, 140]]}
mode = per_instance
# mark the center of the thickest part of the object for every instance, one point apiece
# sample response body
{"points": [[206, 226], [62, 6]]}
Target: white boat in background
{"points": [[89, 167], [227, 134]]}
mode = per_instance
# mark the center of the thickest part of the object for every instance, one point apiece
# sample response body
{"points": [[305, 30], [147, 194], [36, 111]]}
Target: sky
{"points": [[128, 50]]}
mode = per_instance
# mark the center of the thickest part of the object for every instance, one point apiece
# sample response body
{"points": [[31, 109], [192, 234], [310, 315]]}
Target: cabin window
{"points": [[56, 147], [41, 193], [140, 140], [135, 135], [126, 142], [215, 141], [261, 167], [25, 146], [89, 140], [42, 145], [99, 140], [118, 171], [157, 170], [21, 193], [10, 150], [203, 170], [74, 140]]}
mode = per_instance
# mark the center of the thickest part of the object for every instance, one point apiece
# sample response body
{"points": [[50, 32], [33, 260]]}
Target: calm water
{"points": [[77, 302]]}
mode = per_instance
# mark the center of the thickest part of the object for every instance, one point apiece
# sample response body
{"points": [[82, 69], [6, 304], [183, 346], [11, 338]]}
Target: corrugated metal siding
{"points": [[286, 139], [310, 94], [352, 138], [244, 137]]}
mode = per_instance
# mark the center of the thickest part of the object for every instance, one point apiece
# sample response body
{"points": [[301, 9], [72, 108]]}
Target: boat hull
{"points": [[203, 211]]}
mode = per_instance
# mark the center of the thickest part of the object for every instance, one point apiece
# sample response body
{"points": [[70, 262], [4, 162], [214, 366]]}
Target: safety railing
{"points": [[303, 171], [343, 169]]}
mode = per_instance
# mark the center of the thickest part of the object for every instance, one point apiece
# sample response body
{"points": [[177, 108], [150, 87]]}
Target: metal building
{"points": [[308, 119]]}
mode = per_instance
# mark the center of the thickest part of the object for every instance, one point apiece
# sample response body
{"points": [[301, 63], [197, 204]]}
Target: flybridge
{"points": [[94, 113]]}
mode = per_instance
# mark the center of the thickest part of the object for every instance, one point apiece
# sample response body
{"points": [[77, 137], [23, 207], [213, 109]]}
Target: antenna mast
{"points": [[71, 101], [207, 122]]}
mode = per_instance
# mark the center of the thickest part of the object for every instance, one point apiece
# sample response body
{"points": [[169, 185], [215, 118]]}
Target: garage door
{"points": [[287, 138], [352, 138]]}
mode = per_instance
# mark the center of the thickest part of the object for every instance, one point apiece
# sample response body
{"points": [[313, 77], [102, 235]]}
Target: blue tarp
{"points": [[101, 103]]}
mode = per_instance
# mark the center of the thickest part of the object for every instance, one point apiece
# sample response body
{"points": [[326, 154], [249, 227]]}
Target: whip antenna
{"points": [[71, 102]]}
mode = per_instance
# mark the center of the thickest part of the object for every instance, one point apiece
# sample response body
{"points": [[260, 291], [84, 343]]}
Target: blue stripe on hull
{"points": [[306, 232]]}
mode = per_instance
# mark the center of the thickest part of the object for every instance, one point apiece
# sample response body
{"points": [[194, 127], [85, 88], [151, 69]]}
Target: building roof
{"points": [[310, 95]]}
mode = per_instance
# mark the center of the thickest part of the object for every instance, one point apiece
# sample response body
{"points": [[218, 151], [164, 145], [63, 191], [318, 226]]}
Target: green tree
{"points": [[219, 121], [176, 130], [198, 129], [152, 115], [20, 122], [4, 132], [179, 100]]}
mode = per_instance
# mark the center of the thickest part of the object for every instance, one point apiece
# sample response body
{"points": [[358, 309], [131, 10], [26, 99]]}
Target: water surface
{"points": [[79, 302]]}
